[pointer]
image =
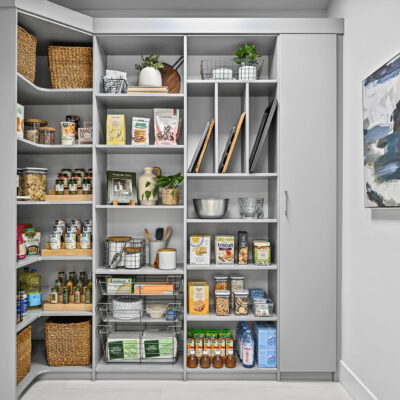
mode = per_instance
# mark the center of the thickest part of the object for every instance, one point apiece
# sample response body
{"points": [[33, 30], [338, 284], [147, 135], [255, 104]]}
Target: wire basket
{"points": [[129, 254], [227, 70], [112, 85], [141, 346]]}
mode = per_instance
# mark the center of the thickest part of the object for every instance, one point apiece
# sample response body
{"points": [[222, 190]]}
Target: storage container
{"points": [[34, 183], [241, 302], [31, 129], [222, 302], [68, 341], [47, 135], [26, 54], [262, 308], [24, 351]]}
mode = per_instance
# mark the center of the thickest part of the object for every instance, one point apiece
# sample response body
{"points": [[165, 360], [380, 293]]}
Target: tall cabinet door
{"points": [[308, 190]]}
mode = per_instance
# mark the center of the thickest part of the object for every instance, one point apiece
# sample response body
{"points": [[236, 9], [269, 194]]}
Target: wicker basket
{"points": [[26, 54], [24, 350], [70, 67], [168, 199], [68, 341]]}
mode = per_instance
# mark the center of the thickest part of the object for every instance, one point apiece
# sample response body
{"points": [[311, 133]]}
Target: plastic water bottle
{"points": [[34, 284], [241, 337], [239, 329], [248, 350]]}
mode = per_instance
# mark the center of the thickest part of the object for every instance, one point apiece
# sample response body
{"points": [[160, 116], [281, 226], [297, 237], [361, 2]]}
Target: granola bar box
{"points": [[198, 297]]}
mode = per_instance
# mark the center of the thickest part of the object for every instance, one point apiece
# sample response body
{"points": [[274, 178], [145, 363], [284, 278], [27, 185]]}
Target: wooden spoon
{"points": [[167, 234], [147, 234]]}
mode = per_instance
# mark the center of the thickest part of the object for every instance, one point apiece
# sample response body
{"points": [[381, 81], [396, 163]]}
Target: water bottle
{"points": [[34, 284], [239, 329], [241, 337], [248, 350]]}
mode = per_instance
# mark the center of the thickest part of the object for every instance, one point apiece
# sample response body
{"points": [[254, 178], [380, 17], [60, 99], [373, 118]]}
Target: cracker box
{"points": [[224, 249], [116, 133], [140, 131], [198, 302], [85, 135], [200, 249]]}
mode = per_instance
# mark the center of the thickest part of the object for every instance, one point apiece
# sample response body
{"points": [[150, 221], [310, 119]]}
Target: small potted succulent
{"points": [[150, 71], [246, 56], [169, 188]]}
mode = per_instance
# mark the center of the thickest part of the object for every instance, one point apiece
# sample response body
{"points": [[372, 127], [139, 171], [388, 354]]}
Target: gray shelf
{"points": [[30, 94], [145, 149], [33, 259], [140, 101], [146, 270], [28, 147], [233, 267], [239, 369], [54, 203], [139, 207], [264, 175], [29, 318], [212, 317], [232, 221], [27, 261]]}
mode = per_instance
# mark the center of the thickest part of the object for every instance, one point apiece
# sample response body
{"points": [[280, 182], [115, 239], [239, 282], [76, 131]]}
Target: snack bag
{"points": [[166, 126]]}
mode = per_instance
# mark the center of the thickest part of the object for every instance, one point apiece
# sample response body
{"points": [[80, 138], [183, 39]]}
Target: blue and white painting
{"points": [[381, 125]]}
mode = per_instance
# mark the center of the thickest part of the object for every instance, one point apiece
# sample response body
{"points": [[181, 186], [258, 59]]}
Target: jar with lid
{"points": [[60, 186], [20, 190], [262, 252], [86, 186], [72, 186], [64, 179], [47, 135], [76, 119], [241, 302], [78, 180], [89, 176], [35, 183], [191, 360], [237, 283], [54, 296], [217, 360], [68, 172], [205, 360], [222, 303], [31, 129], [80, 171], [220, 283]]}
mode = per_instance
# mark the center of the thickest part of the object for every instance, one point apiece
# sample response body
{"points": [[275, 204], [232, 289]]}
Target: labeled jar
{"points": [[76, 119], [35, 183], [47, 135], [241, 302], [68, 132], [205, 360], [31, 129], [60, 186], [220, 283], [261, 252], [68, 172], [80, 171], [89, 176], [20, 189], [86, 186], [54, 296], [72, 186], [78, 179], [64, 179], [222, 303], [192, 360]]}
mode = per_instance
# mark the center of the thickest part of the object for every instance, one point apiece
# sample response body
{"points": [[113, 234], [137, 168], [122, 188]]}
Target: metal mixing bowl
{"points": [[211, 208]]}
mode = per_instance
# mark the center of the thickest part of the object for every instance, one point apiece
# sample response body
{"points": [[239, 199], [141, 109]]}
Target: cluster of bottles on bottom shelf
{"points": [[29, 294]]}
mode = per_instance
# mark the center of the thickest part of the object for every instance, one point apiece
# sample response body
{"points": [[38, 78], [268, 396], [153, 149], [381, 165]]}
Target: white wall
{"points": [[371, 239]]}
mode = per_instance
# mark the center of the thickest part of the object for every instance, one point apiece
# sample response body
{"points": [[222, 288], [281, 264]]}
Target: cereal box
{"points": [[116, 134], [198, 292], [85, 135], [224, 249], [200, 249]]}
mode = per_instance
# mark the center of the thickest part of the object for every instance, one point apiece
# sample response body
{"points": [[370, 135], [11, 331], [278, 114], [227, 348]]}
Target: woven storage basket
{"points": [[24, 350], [168, 199], [26, 54], [68, 341], [70, 67]]}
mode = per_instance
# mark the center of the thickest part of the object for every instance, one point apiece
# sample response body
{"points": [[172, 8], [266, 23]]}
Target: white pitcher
{"points": [[147, 184]]}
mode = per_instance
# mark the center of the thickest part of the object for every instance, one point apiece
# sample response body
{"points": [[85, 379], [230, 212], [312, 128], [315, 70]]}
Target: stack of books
{"points": [[148, 90]]}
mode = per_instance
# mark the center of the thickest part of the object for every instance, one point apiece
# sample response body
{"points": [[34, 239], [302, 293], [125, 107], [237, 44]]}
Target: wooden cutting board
{"points": [[171, 78]]}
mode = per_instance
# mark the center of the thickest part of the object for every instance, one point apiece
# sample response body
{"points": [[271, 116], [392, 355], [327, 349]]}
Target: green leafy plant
{"points": [[150, 61], [246, 55], [167, 182]]}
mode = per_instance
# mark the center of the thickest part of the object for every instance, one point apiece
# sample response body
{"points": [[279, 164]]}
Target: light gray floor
{"points": [[165, 390]]}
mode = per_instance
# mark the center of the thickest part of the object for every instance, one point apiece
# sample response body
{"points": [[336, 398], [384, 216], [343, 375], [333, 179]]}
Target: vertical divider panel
{"points": [[216, 118], [246, 138]]}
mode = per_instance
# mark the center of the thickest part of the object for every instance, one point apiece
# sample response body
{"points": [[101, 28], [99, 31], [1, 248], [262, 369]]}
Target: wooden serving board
{"points": [[67, 307], [63, 252]]}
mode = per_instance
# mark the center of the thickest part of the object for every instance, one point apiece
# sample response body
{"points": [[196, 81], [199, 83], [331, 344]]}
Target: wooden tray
{"points": [[52, 196], [63, 252], [67, 307]]}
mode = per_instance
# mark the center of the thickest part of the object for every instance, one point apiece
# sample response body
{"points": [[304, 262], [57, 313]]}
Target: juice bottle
{"points": [[34, 290]]}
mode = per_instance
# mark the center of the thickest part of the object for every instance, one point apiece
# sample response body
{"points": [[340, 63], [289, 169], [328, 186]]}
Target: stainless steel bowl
{"points": [[211, 208]]}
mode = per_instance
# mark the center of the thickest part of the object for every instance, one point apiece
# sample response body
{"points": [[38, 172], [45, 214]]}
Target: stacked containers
{"points": [[265, 345]]}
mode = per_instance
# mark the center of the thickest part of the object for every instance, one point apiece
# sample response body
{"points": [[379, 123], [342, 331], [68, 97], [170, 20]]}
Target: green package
{"points": [[190, 333], [212, 334], [199, 333], [158, 348], [123, 349], [225, 334]]}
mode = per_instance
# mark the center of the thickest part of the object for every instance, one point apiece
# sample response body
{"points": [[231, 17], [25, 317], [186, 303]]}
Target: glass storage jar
{"points": [[241, 302], [86, 186], [35, 183], [220, 283], [47, 135], [78, 179], [67, 172], [31, 129], [222, 303], [20, 190], [60, 186], [72, 186], [64, 178]]}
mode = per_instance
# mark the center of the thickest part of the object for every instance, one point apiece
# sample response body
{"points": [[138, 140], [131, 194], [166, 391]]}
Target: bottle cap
{"points": [[34, 270]]}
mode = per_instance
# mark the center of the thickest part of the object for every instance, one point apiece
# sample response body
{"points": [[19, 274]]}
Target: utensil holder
{"points": [[154, 247]]}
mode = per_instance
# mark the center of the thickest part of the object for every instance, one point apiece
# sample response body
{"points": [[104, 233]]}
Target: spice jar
{"points": [[217, 360], [78, 179], [192, 361], [60, 186], [66, 295], [86, 186], [68, 172], [241, 302], [80, 171], [64, 179], [220, 283], [89, 176], [47, 135], [205, 360], [31, 131], [262, 252], [35, 183], [72, 186], [54, 296], [222, 303]]}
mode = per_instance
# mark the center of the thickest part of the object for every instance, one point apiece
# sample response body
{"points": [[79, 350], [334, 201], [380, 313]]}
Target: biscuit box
{"points": [[224, 249], [198, 297], [200, 250]]}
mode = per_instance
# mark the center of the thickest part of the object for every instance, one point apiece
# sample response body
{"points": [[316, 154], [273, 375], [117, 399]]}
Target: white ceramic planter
{"points": [[248, 73], [143, 180], [150, 77]]}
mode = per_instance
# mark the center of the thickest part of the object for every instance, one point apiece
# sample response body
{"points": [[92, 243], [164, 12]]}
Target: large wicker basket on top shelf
{"points": [[26, 54], [70, 67], [68, 341], [24, 350]]}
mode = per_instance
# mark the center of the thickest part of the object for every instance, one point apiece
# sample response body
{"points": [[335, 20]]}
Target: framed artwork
{"points": [[381, 134], [121, 186]]}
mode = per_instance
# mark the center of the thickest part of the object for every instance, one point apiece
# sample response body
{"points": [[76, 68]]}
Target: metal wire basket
{"points": [[129, 254], [112, 85], [227, 70]]}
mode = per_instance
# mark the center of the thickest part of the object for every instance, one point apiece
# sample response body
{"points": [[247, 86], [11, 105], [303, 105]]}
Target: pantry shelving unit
{"points": [[296, 153]]}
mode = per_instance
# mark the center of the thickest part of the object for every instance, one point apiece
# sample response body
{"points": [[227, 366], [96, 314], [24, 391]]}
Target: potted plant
{"points": [[169, 188], [247, 57], [150, 71]]}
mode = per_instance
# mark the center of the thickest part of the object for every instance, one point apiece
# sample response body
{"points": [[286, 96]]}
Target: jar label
{"points": [[59, 187]]}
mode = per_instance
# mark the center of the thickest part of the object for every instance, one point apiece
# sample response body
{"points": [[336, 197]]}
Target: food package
{"points": [[68, 131], [140, 130], [120, 285], [200, 249], [154, 288], [161, 345], [85, 135], [224, 249], [31, 237], [123, 346], [166, 126], [116, 133], [207, 346], [198, 345], [221, 345], [21, 249], [198, 302], [20, 121]]}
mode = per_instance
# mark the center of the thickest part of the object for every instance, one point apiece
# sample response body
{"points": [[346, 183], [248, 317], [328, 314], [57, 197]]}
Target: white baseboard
{"points": [[354, 385]]}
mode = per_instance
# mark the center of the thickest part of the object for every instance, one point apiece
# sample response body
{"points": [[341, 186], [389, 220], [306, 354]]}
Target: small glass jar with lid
{"points": [[78, 179], [86, 186], [80, 171], [31, 129], [89, 176], [222, 307], [72, 186], [47, 135], [67, 172], [60, 186], [262, 252], [64, 178], [241, 302], [220, 283]]}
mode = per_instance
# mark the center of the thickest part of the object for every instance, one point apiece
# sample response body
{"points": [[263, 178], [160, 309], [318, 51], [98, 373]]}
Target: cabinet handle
{"points": [[286, 203]]}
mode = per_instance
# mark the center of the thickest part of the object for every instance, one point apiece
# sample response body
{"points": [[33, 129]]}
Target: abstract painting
{"points": [[381, 126]]}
